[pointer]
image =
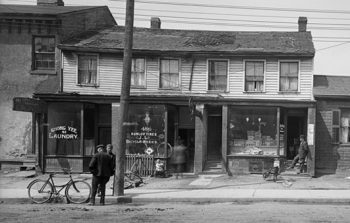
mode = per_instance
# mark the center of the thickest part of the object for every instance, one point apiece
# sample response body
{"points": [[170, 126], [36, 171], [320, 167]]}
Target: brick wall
{"points": [[330, 158]]}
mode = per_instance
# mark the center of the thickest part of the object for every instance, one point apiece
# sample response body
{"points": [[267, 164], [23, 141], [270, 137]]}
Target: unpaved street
{"points": [[175, 212]]}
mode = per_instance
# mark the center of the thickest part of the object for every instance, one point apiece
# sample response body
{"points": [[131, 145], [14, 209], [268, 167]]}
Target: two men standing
{"points": [[102, 166]]}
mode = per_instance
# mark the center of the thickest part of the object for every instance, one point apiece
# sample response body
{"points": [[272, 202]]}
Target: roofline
{"points": [[157, 52]]}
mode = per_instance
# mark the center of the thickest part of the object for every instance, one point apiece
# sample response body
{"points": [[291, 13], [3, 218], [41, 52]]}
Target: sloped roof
{"points": [[328, 85], [169, 40], [40, 10]]}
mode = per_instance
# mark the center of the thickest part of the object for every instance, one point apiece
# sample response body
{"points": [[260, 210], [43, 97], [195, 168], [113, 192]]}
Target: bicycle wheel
{"points": [[78, 192], [40, 191], [135, 179], [161, 150], [127, 183]]}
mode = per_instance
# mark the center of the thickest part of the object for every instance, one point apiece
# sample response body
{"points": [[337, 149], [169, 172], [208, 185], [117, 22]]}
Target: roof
{"points": [[39, 10], [328, 86], [170, 40]]}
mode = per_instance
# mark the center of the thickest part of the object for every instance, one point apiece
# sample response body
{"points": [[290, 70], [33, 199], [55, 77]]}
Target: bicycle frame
{"points": [[55, 187]]}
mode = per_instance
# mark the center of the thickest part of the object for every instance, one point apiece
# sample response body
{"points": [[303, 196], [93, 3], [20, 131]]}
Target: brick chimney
{"points": [[155, 23], [50, 2], [302, 22]]}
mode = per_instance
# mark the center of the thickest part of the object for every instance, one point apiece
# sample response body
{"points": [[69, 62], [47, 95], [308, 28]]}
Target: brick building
{"points": [[30, 61], [332, 94]]}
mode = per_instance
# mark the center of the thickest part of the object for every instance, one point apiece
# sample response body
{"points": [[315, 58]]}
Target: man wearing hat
{"points": [[101, 167]]}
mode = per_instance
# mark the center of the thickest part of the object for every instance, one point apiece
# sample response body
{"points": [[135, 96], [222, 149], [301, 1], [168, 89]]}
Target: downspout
{"points": [[191, 77]]}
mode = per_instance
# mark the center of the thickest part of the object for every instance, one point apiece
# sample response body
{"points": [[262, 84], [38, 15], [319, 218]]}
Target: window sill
{"points": [[217, 91], [344, 144], [88, 85], [289, 92], [169, 89], [254, 92], [43, 72], [138, 87]]}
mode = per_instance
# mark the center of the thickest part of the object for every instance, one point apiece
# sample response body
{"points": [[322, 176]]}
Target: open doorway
{"points": [[295, 129], [188, 137]]}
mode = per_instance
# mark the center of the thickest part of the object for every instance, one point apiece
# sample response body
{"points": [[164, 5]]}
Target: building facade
{"points": [[238, 99], [30, 62], [332, 94]]}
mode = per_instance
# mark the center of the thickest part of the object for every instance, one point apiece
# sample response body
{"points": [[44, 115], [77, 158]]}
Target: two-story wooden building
{"points": [[238, 99], [30, 61]]}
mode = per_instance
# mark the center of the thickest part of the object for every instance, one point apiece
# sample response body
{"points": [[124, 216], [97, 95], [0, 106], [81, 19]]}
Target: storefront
{"points": [[73, 129]]}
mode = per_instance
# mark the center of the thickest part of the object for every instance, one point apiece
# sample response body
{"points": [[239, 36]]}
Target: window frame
{"points": [[336, 126], [227, 74], [34, 67], [97, 69], [279, 76], [159, 74], [145, 75], [245, 75]]}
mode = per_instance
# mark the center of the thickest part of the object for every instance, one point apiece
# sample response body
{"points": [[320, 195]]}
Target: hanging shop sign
{"points": [[29, 105], [63, 132]]}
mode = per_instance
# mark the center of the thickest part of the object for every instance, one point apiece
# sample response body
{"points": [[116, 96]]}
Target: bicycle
{"points": [[132, 177], [41, 191]]}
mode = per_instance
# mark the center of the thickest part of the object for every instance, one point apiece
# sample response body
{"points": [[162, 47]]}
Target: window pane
{"points": [[254, 76], [336, 115], [345, 126], [169, 76], [217, 75], [289, 76], [44, 53], [138, 72], [87, 69], [64, 129], [335, 135]]}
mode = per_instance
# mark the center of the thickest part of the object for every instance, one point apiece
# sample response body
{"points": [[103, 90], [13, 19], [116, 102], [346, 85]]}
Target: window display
{"points": [[253, 131]]}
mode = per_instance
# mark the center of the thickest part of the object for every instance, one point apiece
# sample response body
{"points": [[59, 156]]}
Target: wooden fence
{"points": [[145, 163]]}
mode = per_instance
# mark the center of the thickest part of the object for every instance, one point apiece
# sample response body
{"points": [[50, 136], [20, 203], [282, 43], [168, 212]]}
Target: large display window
{"points": [[146, 130], [253, 131], [64, 129]]}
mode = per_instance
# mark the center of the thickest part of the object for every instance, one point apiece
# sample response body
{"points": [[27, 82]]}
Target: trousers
{"points": [[99, 182]]}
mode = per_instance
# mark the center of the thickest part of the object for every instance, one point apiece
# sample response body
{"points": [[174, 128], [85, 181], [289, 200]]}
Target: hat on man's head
{"points": [[101, 145], [302, 136]]}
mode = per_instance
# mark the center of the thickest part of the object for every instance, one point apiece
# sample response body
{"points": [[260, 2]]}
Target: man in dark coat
{"points": [[101, 166], [302, 152]]}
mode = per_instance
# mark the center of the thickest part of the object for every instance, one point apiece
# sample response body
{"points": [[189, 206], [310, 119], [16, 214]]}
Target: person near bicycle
{"points": [[101, 167], [179, 157]]}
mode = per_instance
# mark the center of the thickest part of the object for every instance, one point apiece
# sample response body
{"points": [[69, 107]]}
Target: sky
{"points": [[328, 21]]}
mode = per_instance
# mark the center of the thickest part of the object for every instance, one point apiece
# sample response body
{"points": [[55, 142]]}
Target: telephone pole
{"points": [[124, 100]]}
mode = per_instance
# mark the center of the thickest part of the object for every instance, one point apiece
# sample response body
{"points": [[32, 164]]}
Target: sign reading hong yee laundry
{"points": [[63, 132]]}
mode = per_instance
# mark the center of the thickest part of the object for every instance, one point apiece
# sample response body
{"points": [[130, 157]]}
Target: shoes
{"points": [[91, 204]]}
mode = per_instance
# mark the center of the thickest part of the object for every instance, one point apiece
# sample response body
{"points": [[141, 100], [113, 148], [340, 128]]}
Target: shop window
{"points": [[44, 53], [89, 129], [64, 129], [253, 131], [87, 70], [169, 73], [254, 76], [146, 129], [289, 73], [341, 126], [138, 77], [217, 75]]}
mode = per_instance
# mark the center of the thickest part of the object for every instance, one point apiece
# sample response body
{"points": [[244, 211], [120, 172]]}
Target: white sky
{"points": [[328, 20]]}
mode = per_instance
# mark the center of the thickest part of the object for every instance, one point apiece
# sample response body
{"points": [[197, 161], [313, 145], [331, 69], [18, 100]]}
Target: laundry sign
{"points": [[63, 132]]}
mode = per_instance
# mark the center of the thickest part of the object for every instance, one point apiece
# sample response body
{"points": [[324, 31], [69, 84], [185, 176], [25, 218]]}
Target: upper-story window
{"points": [[254, 76], [138, 77], [169, 73], [289, 73], [87, 69], [217, 75], [44, 53]]}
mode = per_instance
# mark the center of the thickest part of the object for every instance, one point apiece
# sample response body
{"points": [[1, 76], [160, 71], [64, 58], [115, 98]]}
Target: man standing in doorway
{"points": [[302, 152], [101, 166]]}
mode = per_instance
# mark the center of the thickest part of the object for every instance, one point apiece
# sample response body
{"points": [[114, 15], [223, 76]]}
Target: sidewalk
{"points": [[203, 188]]}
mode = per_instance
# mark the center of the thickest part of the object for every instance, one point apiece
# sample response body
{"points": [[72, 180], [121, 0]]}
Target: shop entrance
{"points": [[214, 133], [295, 129]]}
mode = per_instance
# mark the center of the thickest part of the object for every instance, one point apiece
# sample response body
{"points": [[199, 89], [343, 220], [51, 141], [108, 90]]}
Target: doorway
{"points": [[295, 129], [214, 137]]}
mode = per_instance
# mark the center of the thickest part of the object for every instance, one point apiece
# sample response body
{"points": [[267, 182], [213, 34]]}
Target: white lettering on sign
{"points": [[63, 132]]}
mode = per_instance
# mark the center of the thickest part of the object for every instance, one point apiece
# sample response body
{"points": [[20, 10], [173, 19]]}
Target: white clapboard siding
{"points": [[111, 68]]}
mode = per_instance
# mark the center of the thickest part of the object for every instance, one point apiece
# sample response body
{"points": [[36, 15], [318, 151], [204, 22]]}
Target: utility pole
{"points": [[124, 100]]}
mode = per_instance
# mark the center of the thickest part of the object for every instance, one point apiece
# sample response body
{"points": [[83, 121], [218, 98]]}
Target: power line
{"points": [[241, 7], [318, 50]]}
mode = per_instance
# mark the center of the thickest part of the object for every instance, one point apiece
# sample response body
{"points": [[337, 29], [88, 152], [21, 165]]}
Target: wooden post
{"points": [[124, 100]]}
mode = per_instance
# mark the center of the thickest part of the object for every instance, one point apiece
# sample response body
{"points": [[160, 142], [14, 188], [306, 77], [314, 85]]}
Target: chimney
{"points": [[50, 2], [155, 23], [302, 24]]}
